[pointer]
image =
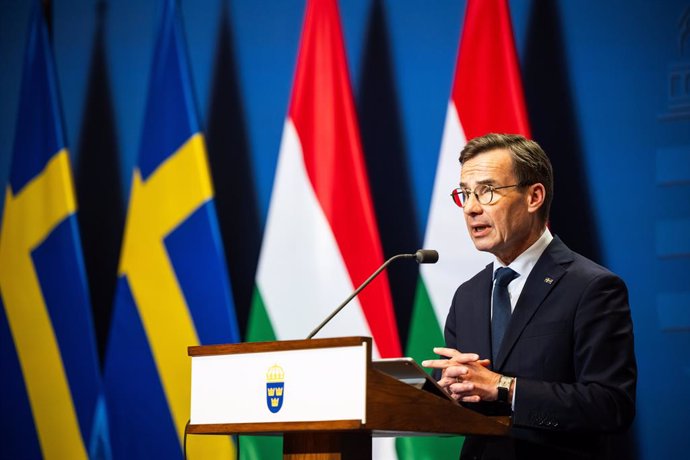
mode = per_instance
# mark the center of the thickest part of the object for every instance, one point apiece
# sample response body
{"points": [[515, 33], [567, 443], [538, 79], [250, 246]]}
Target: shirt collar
{"points": [[524, 263]]}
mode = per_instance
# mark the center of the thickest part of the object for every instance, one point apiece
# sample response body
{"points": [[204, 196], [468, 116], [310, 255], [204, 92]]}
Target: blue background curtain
{"points": [[608, 93]]}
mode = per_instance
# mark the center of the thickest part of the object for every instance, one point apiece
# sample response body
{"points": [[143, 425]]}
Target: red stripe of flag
{"points": [[487, 91], [323, 112]]}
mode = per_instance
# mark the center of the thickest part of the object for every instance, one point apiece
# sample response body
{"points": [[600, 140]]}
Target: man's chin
{"points": [[482, 244]]}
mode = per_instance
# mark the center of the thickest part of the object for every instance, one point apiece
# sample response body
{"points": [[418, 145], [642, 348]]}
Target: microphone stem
{"points": [[357, 291]]}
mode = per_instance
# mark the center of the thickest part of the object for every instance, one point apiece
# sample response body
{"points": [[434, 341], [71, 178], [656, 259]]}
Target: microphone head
{"points": [[426, 256]]}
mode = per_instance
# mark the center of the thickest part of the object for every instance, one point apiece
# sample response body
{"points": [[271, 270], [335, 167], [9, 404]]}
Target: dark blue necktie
{"points": [[501, 308]]}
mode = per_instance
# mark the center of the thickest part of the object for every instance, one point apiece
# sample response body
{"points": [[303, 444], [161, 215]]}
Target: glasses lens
{"points": [[458, 197], [485, 194]]}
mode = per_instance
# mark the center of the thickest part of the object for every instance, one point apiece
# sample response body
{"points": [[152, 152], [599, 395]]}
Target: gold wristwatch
{"points": [[503, 387]]}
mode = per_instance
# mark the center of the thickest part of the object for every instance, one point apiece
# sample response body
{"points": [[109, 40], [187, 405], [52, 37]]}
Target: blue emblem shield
{"points": [[274, 395], [275, 388]]}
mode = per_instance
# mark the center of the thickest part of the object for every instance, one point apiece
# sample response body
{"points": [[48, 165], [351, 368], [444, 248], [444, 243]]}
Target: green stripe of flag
{"points": [[259, 329], [425, 334], [261, 447]]}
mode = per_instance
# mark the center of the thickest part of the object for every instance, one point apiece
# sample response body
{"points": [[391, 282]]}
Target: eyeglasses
{"points": [[483, 193]]}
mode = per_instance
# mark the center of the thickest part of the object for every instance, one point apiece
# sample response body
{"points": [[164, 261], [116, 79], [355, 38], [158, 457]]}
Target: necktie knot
{"points": [[504, 276]]}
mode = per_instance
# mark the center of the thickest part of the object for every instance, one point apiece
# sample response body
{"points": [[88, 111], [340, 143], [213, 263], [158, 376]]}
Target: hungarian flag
{"points": [[172, 286], [486, 97], [321, 239]]}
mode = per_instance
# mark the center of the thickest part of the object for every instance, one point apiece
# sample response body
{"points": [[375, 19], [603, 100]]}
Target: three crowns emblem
{"points": [[275, 388]]}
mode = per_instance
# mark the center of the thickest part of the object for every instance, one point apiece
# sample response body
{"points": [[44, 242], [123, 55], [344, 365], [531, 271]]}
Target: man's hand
{"points": [[464, 375]]}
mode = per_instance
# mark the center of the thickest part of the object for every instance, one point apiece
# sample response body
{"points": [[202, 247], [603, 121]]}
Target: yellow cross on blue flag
{"points": [[173, 289], [51, 396]]}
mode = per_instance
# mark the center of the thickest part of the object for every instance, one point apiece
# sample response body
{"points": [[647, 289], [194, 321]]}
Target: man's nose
{"points": [[471, 205]]}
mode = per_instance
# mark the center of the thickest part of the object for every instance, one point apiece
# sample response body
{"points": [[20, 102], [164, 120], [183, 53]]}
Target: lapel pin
{"points": [[548, 280]]}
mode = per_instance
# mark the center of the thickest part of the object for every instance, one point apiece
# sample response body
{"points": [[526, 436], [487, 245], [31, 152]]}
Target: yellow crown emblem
{"points": [[274, 402], [275, 391], [275, 374]]}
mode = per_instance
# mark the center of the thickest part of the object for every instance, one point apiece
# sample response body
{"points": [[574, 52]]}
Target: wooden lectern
{"points": [[324, 396]]}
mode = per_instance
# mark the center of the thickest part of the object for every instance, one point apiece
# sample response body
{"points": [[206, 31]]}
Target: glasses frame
{"points": [[459, 192]]}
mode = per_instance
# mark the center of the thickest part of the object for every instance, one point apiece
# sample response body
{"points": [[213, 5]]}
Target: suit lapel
{"points": [[544, 277], [482, 304]]}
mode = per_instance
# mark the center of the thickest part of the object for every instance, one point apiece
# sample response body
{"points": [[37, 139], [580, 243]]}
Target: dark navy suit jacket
{"points": [[570, 345]]}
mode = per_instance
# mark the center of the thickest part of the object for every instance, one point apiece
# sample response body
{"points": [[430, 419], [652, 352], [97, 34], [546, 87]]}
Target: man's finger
{"points": [[448, 352], [456, 355], [456, 371], [462, 388], [484, 362], [437, 363]]}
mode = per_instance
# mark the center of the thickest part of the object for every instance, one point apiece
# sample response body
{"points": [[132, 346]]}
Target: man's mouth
{"points": [[479, 230]]}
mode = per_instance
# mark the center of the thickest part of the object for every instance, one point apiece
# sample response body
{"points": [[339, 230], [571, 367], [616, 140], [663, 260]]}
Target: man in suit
{"points": [[542, 329]]}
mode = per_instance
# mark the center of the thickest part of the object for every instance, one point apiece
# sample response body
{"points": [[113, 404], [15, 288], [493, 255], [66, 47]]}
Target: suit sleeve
{"points": [[449, 329], [602, 397]]}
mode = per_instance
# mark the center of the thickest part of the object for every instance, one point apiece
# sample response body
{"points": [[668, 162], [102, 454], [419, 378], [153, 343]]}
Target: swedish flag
{"points": [[173, 288], [50, 399]]}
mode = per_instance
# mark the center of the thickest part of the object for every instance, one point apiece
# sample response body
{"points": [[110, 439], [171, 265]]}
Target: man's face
{"points": [[506, 226]]}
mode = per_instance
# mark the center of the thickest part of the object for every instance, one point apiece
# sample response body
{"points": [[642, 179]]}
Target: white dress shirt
{"points": [[522, 265]]}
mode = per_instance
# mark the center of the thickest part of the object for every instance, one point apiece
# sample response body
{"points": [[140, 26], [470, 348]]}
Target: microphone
{"points": [[422, 256], [426, 256]]}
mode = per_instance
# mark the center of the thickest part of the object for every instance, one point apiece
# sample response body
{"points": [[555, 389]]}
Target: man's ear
{"points": [[536, 195]]}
